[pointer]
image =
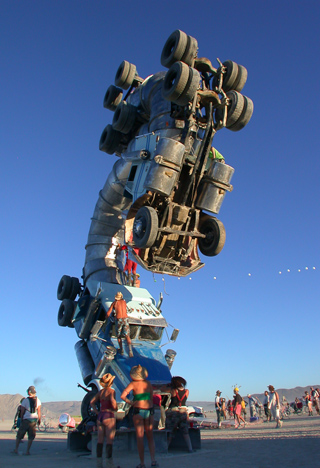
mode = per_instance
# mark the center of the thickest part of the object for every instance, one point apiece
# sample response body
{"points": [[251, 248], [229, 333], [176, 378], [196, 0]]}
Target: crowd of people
{"points": [[237, 407], [271, 406]]}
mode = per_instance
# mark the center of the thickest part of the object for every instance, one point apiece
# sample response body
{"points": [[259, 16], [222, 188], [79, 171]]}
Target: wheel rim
{"points": [[139, 227]]}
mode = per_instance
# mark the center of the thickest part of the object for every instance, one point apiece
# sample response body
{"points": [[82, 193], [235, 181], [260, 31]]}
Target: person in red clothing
{"points": [[119, 307], [130, 268], [106, 419]]}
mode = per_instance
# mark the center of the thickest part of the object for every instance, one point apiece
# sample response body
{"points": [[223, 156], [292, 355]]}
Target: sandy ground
{"points": [[258, 445]]}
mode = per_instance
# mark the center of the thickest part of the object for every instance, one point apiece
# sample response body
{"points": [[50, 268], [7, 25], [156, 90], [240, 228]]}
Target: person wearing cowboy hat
{"points": [[106, 420], [119, 307], [142, 411], [136, 281], [217, 403], [30, 416]]}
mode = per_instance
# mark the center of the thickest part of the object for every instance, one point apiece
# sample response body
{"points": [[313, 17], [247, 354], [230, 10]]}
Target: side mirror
{"points": [[174, 335]]}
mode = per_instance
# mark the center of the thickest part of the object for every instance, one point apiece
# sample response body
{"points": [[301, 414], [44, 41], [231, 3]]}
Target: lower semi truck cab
{"points": [[97, 348]]}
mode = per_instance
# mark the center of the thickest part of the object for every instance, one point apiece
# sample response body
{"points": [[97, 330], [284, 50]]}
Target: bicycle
{"points": [[45, 424]]}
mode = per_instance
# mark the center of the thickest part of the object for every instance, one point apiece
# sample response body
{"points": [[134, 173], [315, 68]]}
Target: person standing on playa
{"points": [[308, 401], [106, 420], [177, 415], [119, 307], [238, 408], [274, 405], [30, 416], [252, 405], [266, 402], [143, 411], [217, 403], [315, 398]]}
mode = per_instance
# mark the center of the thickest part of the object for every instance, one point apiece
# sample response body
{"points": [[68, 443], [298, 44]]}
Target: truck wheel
{"points": [[124, 117], [112, 98], [175, 81], [145, 227], [215, 238], [64, 288], [241, 78], [245, 116], [174, 48], [229, 78], [191, 51], [109, 140], [65, 313], [86, 411], [235, 107], [125, 75], [190, 89], [76, 288]]}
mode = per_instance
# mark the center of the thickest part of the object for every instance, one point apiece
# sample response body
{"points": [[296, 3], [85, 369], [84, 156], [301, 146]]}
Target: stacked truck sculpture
{"points": [[156, 201]]}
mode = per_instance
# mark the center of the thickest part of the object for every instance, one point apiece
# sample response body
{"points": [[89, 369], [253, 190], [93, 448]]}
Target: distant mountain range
{"points": [[9, 403]]}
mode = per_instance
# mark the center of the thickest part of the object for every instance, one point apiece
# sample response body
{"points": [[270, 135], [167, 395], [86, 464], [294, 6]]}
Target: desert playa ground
{"points": [[259, 445]]}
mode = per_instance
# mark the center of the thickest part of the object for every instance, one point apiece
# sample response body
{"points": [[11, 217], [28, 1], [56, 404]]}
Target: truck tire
{"points": [[86, 411], [174, 48], [245, 116], [241, 78], [76, 288], [190, 89], [175, 81], [145, 227], [231, 75], [190, 52], [65, 313], [125, 75], [124, 117], [214, 241], [64, 288], [112, 98], [234, 108], [109, 140]]}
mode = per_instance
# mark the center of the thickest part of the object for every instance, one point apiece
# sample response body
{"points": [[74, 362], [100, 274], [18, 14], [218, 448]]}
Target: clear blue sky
{"points": [[57, 60]]}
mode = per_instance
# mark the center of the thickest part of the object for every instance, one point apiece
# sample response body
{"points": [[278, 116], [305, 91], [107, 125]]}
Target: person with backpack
{"points": [[30, 417]]}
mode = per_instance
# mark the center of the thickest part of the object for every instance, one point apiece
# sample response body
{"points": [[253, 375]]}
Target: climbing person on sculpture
{"points": [[142, 404], [119, 307], [106, 420]]}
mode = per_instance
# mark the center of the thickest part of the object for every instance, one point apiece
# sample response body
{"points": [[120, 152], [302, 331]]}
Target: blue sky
{"points": [[57, 59]]}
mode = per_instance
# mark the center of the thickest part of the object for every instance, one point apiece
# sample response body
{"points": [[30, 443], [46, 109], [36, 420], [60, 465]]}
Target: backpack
{"points": [[33, 404]]}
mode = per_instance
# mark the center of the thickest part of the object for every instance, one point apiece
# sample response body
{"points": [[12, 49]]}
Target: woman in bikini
{"points": [[106, 419], [142, 411]]}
